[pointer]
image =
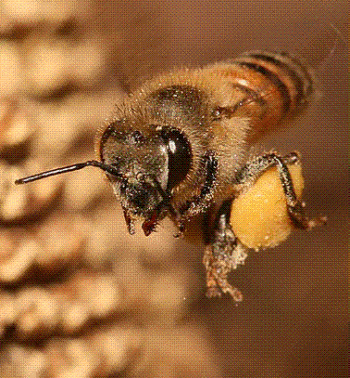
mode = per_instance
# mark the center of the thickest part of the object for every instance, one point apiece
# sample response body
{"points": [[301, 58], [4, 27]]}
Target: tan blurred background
{"points": [[79, 297]]}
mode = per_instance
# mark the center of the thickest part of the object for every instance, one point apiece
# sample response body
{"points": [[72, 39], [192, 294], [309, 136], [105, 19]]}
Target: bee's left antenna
{"points": [[69, 168]]}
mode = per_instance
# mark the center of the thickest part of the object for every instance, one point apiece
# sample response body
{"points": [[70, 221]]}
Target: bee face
{"points": [[150, 160]]}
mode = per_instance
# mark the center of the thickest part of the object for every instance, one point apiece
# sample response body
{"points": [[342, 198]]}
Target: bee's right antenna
{"points": [[69, 168]]}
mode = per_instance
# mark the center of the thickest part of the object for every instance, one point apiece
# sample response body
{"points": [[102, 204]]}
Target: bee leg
{"points": [[253, 169], [222, 254], [197, 204], [129, 222]]}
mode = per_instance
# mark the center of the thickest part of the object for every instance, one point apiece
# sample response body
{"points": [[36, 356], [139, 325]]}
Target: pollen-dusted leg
{"points": [[200, 202], [224, 250], [223, 254], [253, 169]]}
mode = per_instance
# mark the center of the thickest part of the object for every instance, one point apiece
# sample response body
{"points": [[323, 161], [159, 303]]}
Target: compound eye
{"points": [[179, 155]]}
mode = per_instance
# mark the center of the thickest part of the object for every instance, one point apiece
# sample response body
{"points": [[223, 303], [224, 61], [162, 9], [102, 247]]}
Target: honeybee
{"points": [[179, 146]]}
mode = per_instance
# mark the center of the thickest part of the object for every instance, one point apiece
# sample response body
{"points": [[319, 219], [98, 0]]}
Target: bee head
{"points": [[150, 163]]}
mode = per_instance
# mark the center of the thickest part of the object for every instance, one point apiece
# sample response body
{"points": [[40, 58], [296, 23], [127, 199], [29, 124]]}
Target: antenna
{"points": [[69, 168]]}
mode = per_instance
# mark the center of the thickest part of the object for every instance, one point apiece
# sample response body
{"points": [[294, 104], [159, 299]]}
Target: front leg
{"points": [[223, 253], [199, 203]]}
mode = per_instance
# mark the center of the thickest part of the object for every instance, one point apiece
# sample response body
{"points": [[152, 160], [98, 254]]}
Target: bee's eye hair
{"points": [[137, 136]]}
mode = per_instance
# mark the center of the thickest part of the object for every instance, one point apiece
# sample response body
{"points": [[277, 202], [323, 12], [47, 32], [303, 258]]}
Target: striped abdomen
{"points": [[267, 87]]}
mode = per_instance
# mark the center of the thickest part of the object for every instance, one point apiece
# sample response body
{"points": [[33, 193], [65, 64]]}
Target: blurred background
{"points": [[81, 298]]}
